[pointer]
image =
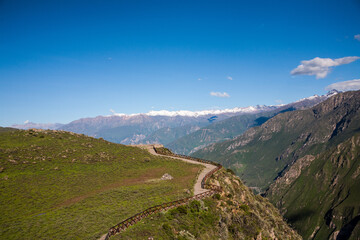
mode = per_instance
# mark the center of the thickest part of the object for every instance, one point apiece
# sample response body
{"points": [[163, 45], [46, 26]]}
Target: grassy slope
{"points": [[236, 214], [326, 193], [59, 185]]}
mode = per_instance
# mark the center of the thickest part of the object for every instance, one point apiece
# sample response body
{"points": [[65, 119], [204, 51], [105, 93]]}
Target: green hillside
{"points": [[320, 194], [60, 185], [235, 214], [263, 153]]}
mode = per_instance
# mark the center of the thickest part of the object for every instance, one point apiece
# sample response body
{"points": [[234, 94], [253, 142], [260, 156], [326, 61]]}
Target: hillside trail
{"points": [[208, 167], [197, 187]]}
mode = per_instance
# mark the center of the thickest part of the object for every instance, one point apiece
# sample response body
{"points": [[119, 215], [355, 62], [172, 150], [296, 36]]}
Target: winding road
{"points": [[208, 167], [197, 187]]}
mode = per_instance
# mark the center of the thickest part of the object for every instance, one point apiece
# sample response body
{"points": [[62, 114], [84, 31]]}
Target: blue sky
{"points": [[64, 60]]}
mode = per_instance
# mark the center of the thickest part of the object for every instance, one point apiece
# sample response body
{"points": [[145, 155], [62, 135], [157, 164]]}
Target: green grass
{"points": [[234, 214], [194, 218], [58, 185]]}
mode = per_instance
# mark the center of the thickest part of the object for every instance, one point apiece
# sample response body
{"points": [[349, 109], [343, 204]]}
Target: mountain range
{"points": [[306, 162], [234, 126], [168, 127]]}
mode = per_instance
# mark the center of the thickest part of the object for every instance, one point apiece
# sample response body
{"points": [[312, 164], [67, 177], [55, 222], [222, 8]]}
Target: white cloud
{"points": [[220, 94], [199, 79], [230, 78], [320, 67], [357, 37], [27, 121], [112, 111], [345, 86]]}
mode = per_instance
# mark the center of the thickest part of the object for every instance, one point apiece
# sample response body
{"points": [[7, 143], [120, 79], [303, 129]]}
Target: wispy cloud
{"points": [[112, 111], [320, 67], [357, 37], [345, 86], [199, 79], [229, 77], [220, 94], [27, 121]]}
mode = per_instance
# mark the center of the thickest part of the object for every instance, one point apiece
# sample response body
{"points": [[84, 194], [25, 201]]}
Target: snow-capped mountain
{"points": [[186, 113], [142, 127], [28, 125]]}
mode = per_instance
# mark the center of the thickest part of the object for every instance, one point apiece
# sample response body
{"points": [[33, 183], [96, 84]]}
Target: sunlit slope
{"points": [[60, 185], [236, 213]]}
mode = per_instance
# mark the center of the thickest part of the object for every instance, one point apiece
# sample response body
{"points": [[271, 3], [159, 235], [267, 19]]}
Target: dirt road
{"points": [[208, 167], [197, 188]]}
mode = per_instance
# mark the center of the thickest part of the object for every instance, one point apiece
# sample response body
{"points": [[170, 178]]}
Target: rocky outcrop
{"points": [[166, 176], [282, 183]]}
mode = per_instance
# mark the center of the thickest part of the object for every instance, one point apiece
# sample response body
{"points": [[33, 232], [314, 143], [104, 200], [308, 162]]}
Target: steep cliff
{"points": [[320, 194]]}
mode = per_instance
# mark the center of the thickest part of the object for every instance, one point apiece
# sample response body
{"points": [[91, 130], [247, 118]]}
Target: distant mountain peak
{"points": [[187, 113], [27, 125], [332, 92]]}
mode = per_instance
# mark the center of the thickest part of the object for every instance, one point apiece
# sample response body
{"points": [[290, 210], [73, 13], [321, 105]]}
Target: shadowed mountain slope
{"points": [[319, 195]]}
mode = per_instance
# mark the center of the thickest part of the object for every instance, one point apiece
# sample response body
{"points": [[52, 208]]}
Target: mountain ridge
{"points": [[236, 125], [307, 163], [291, 134]]}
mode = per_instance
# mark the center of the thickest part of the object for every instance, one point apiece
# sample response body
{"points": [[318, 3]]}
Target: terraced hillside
{"points": [[61, 185]]}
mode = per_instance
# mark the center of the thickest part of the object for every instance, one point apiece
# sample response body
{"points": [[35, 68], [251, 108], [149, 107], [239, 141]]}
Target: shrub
{"points": [[195, 206], [181, 210], [167, 229], [230, 171], [217, 196]]}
